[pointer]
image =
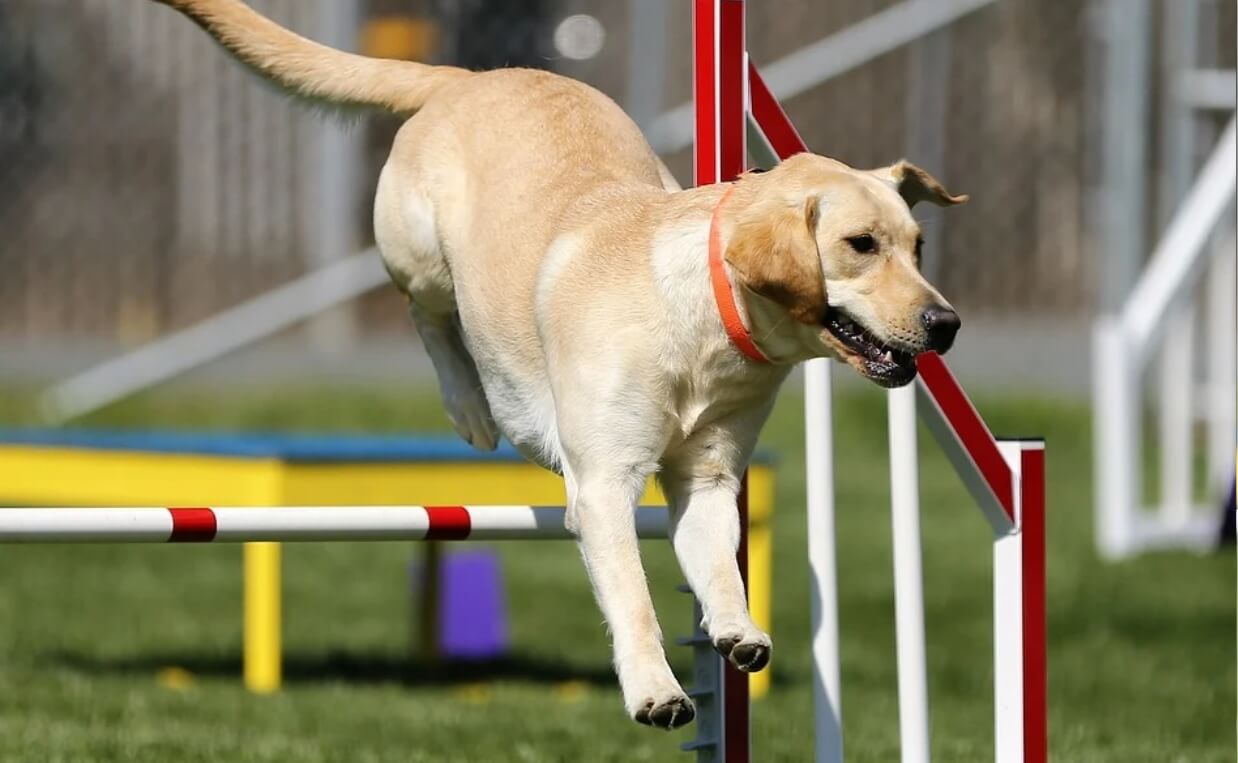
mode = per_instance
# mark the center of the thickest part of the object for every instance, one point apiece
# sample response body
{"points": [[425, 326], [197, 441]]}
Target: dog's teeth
{"points": [[887, 356]]}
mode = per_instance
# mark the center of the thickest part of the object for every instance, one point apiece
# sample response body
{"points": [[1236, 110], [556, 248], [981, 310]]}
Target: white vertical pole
{"points": [[819, 447], [908, 578], [1007, 648], [1221, 332], [1122, 27], [1222, 357], [1177, 417], [1180, 46], [330, 162], [1008, 740], [1117, 448], [1179, 32]]}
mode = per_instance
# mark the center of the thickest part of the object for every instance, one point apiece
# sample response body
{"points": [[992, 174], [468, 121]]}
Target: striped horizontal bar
{"points": [[300, 523]]}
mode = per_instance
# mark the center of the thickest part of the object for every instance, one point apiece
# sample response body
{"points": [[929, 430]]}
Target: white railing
{"points": [[1123, 345], [192, 347]]}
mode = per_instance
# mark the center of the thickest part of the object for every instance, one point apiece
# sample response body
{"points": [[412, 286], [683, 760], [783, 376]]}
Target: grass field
{"points": [[132, 653]]}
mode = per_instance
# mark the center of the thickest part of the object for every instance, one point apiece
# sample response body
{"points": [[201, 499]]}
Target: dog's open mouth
{"points": [[884, 364]]}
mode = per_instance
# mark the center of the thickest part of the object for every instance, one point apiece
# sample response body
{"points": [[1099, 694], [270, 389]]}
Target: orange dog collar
{"points": [[724, 296]]}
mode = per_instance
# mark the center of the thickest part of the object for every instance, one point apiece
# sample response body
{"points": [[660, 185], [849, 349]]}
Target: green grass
{"points": [[1141, 653]]}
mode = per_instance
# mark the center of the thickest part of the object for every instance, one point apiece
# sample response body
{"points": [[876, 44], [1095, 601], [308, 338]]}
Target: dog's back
{"points": [[469, 203], [491, 169]]}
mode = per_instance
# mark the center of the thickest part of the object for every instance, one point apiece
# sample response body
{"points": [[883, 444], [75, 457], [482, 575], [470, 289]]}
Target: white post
{"points": [[1117, 431], [1121, 28], [1180, 254], [1177, 417], [1222, 357], [819, 448], [1008, 716], [1179, 33], [330, 165], [1007, 651], [908, 578]]}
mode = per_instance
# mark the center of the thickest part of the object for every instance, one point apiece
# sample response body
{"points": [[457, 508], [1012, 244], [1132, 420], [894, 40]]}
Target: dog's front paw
{"points": [[749, 652], [668, 712]]}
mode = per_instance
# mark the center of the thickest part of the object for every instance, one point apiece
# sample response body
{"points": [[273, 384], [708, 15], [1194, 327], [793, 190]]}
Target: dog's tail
{"points": [[313, 71]]}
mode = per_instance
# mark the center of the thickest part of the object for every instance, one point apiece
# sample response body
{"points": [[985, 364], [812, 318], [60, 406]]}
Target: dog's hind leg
{"points": [[405, 231]]}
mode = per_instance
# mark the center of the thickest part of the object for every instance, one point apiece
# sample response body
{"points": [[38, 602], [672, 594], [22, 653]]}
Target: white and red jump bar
{"points": [[300, 523]]}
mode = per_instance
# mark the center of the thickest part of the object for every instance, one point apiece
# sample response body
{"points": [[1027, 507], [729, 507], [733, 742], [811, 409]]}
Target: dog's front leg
{"points": [[602, 507], [705, 534], [701, 482]]}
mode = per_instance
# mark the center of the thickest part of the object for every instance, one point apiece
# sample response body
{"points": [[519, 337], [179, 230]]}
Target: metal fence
{"points": [[147, 181]]}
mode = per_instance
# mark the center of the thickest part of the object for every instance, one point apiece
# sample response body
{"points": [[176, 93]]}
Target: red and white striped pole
{"points": [[720, 97], [235, 524]]}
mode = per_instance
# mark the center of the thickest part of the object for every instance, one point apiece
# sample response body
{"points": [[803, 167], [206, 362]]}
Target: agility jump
{"points": [[722, 721], [1006, 479]]}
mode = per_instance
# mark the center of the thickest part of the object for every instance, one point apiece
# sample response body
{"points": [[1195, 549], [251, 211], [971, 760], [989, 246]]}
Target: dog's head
{"points": [[829, 259]]}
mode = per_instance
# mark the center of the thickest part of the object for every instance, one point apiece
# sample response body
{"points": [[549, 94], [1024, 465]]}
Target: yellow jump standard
{"points": [[93, 468]]}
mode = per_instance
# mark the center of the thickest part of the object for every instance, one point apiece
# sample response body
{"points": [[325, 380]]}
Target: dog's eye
{"points": [[919, 248], [863, 243]]}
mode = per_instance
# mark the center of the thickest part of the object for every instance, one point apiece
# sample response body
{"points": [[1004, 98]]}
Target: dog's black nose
{"points": [[942, 324]]}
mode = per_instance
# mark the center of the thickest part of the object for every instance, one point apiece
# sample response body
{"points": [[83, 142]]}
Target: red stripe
{"points": [[703, 23], [730, 59], [736, 736], [970, 429], [735, 693], [731, 85], [1035, 663], [192, 525], [774, 122], [448, 523]]}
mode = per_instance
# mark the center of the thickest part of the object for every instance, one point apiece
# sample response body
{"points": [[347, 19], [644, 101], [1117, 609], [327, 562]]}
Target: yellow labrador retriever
{"points": [[562, 284]]}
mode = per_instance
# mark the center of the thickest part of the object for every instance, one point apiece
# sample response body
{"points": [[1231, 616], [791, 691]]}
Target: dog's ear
{"points": [[915, 185], [774, 252]]}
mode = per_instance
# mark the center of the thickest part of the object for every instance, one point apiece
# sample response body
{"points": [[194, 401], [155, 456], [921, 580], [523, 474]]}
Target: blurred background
{"points": [[150, 186], [148, 182]]}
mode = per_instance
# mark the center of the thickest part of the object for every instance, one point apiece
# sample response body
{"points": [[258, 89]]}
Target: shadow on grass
{"points": [[349, 667]]}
